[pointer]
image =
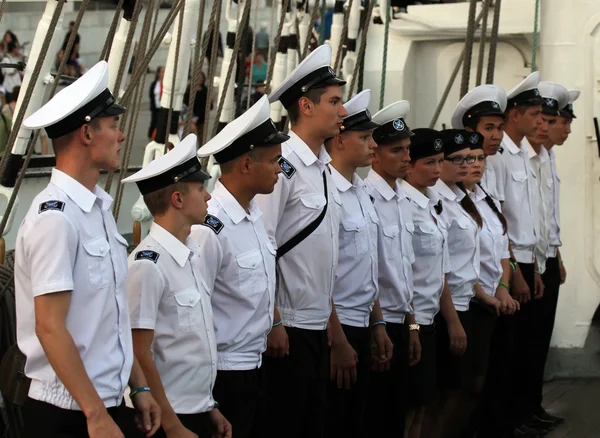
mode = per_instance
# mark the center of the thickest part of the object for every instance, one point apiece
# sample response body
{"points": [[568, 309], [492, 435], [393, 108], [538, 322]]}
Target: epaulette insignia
{"points": [[214, 223], [287, 168], [51, 205], [372, 199], [501, 149], [147, 255]]}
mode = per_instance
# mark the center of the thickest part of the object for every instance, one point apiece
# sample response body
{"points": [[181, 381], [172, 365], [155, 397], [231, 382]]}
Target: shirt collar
{"points": [[179, 251], [381, 185], [442, 188], [342, 184], [477, 194], [83, 197], [412, 193], [232, 207], [305, 153], [531, 153], [510, 144]]}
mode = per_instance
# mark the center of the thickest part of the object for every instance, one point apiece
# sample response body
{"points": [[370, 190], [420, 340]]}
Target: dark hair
{"points": [[158, 202], [11, 46], [312, 94], [467, 203], [492, 205]]}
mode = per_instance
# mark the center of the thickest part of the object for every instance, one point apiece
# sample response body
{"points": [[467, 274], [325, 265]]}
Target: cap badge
{"points": [[536, 92], [438, 144], [459, 139], [398, 125], [570, 107], [474, 139], [495, 105], [550, 102], [368, 114], [332, 72]]}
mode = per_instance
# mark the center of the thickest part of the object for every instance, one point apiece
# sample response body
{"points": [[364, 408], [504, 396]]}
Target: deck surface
{"points": [[578, 401]]}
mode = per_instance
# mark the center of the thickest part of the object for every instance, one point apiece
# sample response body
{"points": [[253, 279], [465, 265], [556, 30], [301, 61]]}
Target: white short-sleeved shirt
{"points": [[356, 285], [238, 261], [463, 246], [515, 180], [306, 274], [69, 241], [493, 169], [553, 183], [430, 244], [493, 243], [539, 165], [395, 248], [168, 295]]}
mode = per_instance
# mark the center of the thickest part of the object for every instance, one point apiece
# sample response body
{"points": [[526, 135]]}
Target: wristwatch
{"points": [[414, 327]]}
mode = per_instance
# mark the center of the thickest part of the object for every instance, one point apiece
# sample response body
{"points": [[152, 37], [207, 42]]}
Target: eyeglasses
{"points": [[470, 159]]}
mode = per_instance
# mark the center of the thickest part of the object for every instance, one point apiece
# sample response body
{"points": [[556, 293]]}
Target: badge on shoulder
{"points": [[51, 205], [213, 223], [147, 255], [287, 168]]}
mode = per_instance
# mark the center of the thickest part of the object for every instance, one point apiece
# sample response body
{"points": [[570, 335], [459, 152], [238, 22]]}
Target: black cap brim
{"points": [[279, 138], [114, 110], [332, 81], [198, 176], [365, 126]]}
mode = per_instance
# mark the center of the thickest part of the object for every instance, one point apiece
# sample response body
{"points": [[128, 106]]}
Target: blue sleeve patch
{"points": [[213, 223], [51, 205], [287, 168], [147, 255]]}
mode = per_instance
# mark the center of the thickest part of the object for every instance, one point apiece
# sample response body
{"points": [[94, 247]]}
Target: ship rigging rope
{"points": [[363, 46], [253, 54], [215, 19], [2, 6], [156, 12], [36, 134], [196, 69], [388, 18], [128, 42], [471, 26], [111, 32], [535, 36], [338, 55], [485, 11], [175, 70], [273, 53], [311, 25], [493, 43], [133, 119], [28, 93], [242, 26]]}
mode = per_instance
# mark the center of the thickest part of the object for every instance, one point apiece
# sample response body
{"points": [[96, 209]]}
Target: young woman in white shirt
{"points": [[429, 269]]}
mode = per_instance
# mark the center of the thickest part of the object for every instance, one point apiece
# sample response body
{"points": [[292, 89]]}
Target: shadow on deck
{"points": [[577, 401]]}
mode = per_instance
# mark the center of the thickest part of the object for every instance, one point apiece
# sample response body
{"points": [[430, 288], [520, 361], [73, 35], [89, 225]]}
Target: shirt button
{"points": [[191, 300]]}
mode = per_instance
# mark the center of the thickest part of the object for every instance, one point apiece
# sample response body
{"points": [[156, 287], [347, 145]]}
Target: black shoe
{"points": [[526, 431], [535, 422], [544, 415]]}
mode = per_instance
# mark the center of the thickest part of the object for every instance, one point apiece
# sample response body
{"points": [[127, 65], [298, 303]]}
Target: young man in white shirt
{"points": [[356, 318], [169, 303], [302, 218], [238, 260], [70, 271]]}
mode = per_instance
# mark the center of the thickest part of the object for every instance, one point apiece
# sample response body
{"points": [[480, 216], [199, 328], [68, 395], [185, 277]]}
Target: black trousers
{"points": [[200, 424], [387, 397], [49, 421], [298, 386], [242, 400], [346, 407], [544, 327]]}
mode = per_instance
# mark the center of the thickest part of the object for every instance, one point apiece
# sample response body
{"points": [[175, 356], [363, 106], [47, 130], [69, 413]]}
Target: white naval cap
{"points": [[359, 118], [526, 93], [314, 72], [567, 111], [484, 100], [74, 106], [392, 125], [555, 97], [252, 129], [179, 165]]}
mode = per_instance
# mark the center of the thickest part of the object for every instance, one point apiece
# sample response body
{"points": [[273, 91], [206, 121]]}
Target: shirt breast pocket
{"points": [[390, 241], [98, 262], [355, 238], [426, 241], [462, 235], [251, 276], [519, 178], [189, 309], [312, 205]]}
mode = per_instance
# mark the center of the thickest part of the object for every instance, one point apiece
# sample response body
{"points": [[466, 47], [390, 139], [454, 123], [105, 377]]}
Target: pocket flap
{"points": [[97, 247], [187, 297], [427, 228], [374, 217], [391, 231], [410, 227], [352, 223], [315, 201], [270, 247], [463, 223], [121, 239], [549, 182], [519, 176], [249, 260]]}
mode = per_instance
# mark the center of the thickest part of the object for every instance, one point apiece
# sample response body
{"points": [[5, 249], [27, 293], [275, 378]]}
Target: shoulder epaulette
{"points": [[214, 223], [287, 168], [51, 205], [147, 255]]}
